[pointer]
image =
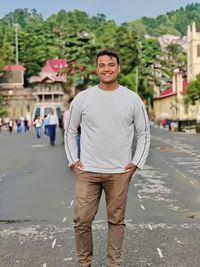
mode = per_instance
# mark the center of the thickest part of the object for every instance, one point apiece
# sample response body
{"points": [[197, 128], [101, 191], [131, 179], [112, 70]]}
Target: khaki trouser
{"points": [[89, 187]]}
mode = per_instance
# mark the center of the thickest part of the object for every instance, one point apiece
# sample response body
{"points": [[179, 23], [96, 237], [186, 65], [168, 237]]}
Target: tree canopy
{"points": [[77, 37], [193, 91]]}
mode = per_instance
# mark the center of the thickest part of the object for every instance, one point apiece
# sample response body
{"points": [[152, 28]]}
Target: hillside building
{"points": [[17, 99], [47, 88], [45, 91], [169, 104]]}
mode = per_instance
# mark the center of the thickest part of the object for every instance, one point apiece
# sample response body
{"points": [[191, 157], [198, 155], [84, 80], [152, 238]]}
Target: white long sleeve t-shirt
{"points": [[109, 120]]}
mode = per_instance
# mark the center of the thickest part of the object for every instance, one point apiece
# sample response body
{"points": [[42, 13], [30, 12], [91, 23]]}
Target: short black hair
{"points": [[108, 52]]}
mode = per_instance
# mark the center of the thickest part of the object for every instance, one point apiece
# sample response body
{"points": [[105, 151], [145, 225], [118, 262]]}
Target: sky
{"points": [[118, 10]]}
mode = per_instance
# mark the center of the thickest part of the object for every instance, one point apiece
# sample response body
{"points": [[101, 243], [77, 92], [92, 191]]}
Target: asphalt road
{"points": [[37, 199]]}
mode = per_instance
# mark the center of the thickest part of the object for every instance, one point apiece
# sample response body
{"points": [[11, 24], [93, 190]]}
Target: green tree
{"points": [[3, 110], [127, 47], [193, 91], [150, 53]]}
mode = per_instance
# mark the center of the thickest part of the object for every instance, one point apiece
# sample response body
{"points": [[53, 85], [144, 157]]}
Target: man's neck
{"points": [[108, 87]]}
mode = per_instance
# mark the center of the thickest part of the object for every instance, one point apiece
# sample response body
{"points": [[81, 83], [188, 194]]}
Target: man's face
{"points": [[107, 69]]}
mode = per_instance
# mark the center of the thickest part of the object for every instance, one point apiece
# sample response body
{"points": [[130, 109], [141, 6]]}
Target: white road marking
{"points": [[142, 207], [68, 259], [160, 252], [191, 182], [38, 145], [44, 265], [187, 162], [71, 203], [64, 219], [150, 227], [54, 243], [178, 241], [139, 196]]}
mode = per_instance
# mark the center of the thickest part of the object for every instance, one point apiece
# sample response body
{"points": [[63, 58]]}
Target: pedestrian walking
{"points": [[109, 115], [26, 125], [19, 125], [38, 126], [46, 125], [10, 125], [53, 122], [1, 124]]}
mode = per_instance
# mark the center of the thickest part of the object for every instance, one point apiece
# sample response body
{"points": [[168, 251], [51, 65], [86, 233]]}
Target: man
{"points": [[108, 114], [52, 124]]}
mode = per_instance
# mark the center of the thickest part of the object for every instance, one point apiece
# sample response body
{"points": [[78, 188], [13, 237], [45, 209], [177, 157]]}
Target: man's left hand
{"points": [[130, 168]]}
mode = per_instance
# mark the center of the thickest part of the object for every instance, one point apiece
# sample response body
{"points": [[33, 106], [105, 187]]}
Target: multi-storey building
{"points": [[170, 104], [45, 91], [48, 90], [17, 99]]}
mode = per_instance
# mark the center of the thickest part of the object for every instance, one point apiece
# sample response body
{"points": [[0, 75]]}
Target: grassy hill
{"points": [[174, 22]]}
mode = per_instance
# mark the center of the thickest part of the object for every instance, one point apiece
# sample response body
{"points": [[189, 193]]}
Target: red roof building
{"points": [[171, 92], [14, 68], [54, 65], [170, 103]]}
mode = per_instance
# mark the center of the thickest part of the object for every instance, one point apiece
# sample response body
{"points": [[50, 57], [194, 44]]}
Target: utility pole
{"points": [[16, 26]]}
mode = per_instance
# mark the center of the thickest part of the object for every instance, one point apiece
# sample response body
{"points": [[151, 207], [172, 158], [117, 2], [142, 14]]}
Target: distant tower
{"points": [[193, 52]]}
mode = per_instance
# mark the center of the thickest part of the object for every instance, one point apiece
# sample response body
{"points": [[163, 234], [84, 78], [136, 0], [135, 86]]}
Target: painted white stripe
{"points": [[139, 196], [64, 219], [44, 265], [191, 182], [71, 203], [54, 243], [150, 227], [142, 207], [68, 259], [160, 252], [38, 145], [188, 162]]}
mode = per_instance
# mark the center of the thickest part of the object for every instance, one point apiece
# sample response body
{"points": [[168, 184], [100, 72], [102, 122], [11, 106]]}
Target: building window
{"points": [[198, 51]]}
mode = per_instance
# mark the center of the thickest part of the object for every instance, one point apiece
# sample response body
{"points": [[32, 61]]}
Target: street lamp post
{"points": [[16, 26]]}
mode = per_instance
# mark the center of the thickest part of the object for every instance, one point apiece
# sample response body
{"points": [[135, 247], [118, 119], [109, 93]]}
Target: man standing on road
{"points": [[109, 115]]}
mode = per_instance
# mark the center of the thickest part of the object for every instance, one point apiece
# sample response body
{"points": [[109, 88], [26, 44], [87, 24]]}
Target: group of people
{"points": [[20, 124], [49, 122], [110, 117]]}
